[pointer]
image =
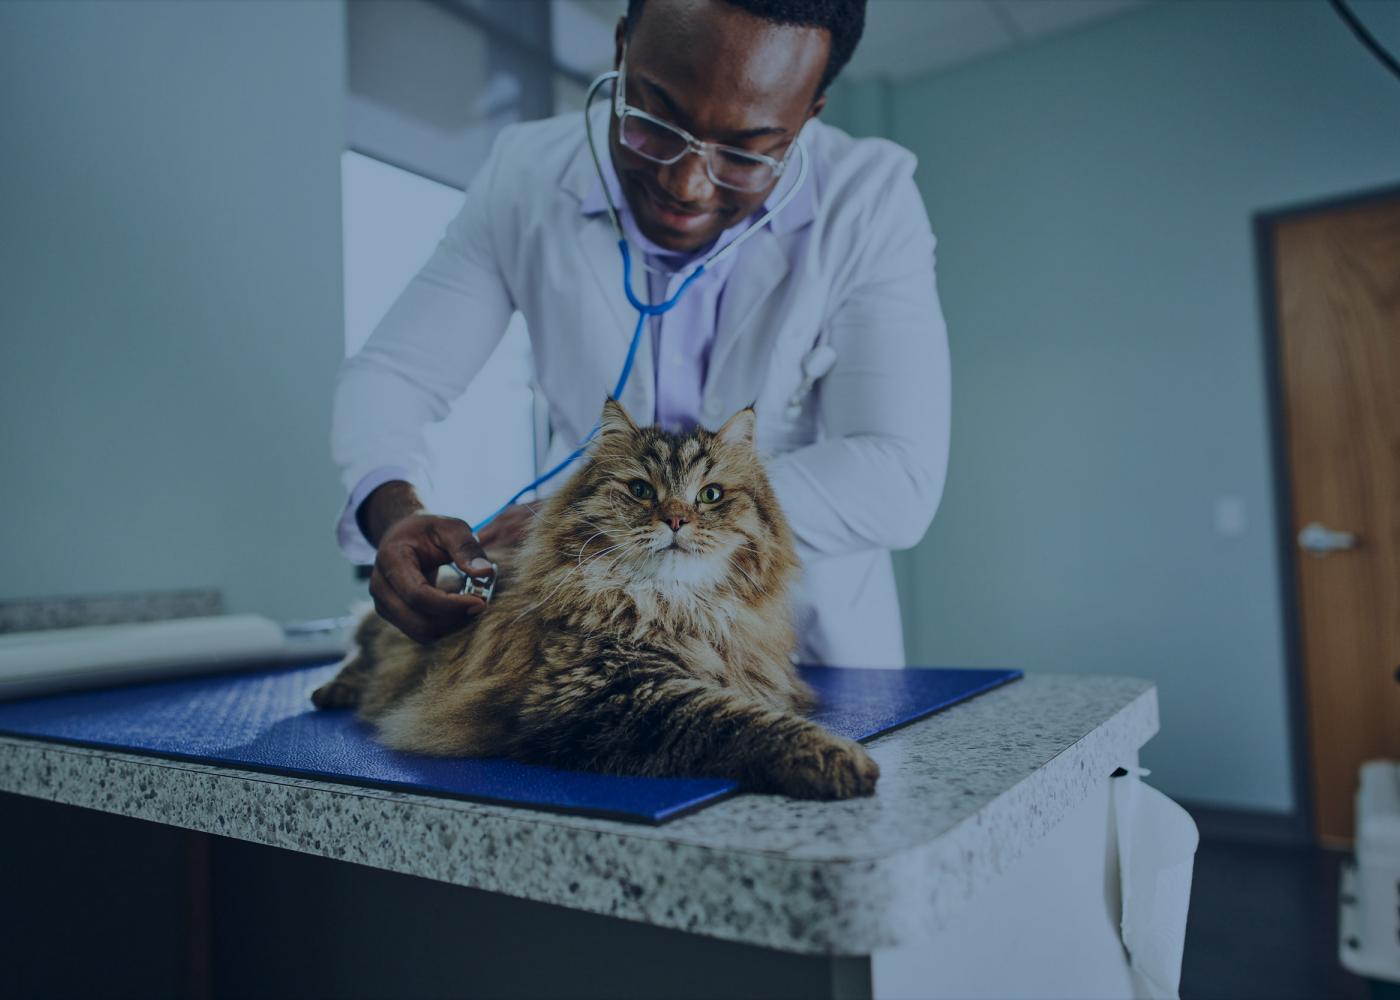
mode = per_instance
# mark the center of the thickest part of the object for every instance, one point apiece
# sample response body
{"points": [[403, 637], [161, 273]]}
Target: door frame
{"points": [[1298, 826]]}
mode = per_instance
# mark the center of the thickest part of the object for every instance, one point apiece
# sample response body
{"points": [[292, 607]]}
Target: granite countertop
{"points": [[962, 795]]}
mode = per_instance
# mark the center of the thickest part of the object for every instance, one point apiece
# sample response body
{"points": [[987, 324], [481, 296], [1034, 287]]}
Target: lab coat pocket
{"points": [[782, 430], [787, 415]]}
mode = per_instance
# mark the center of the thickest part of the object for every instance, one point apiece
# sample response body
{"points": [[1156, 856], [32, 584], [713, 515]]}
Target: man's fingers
{"points": [[393, 610], [461, 545], [404, 582], [509, 527], [487, 536], [423, 597]]}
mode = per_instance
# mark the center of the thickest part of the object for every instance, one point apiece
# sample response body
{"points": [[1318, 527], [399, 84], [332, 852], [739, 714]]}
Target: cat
{"points": [[644, 628]]}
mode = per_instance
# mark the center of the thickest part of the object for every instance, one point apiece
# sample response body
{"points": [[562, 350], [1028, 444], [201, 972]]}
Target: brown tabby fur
{"points": [[603, 651]]}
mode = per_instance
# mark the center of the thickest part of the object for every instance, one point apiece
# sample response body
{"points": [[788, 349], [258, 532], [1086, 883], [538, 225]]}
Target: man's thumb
{"points": [[467, 552]]}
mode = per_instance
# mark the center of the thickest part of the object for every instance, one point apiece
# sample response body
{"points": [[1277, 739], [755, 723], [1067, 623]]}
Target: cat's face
{"points": [[689, 509]]}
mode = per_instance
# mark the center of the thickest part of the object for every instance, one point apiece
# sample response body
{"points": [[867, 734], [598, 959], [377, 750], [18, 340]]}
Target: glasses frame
{"points": [[622, 110]]}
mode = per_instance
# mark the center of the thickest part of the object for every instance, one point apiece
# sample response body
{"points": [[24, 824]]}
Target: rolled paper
{"points": [[33, 663]]}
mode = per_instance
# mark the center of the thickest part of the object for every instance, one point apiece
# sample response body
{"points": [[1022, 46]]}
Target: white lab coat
{"points": [[858, 463]]}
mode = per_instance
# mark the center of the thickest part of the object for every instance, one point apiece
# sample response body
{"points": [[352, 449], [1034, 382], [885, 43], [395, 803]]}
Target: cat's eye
{"points": [[710, 494], [641, 489]]}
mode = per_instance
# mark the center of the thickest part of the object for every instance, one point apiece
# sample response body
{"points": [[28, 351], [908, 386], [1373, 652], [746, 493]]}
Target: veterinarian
{"points": [[827, 319]]}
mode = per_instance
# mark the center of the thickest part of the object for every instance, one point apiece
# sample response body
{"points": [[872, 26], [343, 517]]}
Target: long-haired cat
{"points": [[644, 628]]}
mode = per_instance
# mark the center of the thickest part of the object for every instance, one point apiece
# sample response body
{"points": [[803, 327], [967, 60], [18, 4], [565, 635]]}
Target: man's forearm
{"points": [[386, 506]]}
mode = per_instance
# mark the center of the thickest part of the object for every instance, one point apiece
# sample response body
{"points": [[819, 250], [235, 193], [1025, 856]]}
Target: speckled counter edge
{"points": [[931, 883], [792, 901]]}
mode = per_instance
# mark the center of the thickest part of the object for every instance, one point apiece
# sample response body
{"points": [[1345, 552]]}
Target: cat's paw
{"points": [[821, 765], [335, 694]]}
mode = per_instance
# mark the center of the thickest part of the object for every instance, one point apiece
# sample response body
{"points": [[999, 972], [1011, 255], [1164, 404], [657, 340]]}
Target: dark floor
{"points": [[1262, 921], [1263, 924]]}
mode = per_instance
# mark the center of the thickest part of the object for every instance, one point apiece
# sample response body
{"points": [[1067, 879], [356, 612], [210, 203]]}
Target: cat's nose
{"points": [[673, 513]]}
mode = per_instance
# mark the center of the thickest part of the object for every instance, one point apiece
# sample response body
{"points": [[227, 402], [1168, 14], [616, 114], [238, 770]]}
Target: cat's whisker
{"points": [[613, 564], [610, 548], [756, 550], [585, 545], [745, 574], [563, 579]]}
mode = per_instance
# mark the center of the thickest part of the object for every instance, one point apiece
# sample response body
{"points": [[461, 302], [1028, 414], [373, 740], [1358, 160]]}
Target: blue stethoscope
{"points": [[644, 310]]}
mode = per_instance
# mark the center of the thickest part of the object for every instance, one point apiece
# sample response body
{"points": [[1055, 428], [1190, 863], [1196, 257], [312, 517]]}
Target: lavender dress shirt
{"points": [[682, 337]]}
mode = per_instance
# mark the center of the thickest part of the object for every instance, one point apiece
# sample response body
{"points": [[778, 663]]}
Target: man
{"points": [[827, 317]]}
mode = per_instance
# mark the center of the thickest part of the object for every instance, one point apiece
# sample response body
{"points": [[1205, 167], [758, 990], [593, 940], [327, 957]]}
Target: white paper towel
{"points": [[34, 663], [1157, 842]]}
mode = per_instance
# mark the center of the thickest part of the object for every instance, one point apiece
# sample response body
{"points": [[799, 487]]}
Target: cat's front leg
{"points": [[818, 764], [640, 712]]}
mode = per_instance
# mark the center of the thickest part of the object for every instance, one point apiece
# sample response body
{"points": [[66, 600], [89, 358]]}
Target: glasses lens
{"points": [[651, 139], [735, 168]]}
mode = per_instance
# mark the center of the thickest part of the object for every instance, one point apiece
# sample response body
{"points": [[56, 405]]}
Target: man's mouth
{"points": [[674, 216]]}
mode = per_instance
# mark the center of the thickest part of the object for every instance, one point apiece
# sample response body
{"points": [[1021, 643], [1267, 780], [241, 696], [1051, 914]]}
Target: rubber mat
{"points": [[264, 721]]}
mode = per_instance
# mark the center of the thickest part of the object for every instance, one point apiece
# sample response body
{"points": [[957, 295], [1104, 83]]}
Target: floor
{"points": [[1263, 923]]}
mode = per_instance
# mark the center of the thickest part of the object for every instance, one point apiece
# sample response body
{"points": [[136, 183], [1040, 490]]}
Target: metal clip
{"points": [[471, 586]]}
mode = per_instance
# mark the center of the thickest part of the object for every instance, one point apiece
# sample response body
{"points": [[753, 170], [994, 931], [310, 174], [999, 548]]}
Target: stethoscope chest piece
{"points": [[474, 587]]}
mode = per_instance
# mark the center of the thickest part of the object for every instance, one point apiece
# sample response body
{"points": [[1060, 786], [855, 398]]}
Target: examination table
{"points": [[990, 862]]}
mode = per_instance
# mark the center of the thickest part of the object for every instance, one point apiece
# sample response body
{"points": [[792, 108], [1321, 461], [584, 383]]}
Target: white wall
{"points": [[1093, 196], [170, 299]]}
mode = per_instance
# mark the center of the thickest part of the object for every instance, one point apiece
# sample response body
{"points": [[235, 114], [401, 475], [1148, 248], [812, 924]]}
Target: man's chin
{"points": [[674, 231], [675, 240]]}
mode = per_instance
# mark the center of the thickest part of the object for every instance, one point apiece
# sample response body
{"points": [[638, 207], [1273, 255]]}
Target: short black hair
{"points": [[844, 19]]}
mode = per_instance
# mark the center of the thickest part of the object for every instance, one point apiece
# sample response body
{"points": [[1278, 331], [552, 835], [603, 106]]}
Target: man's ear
{"points": [[620, 40], [739, 429], [817, 107], [615, 419]]}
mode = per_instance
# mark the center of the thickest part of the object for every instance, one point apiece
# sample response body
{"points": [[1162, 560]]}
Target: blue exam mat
{"points": [[264, 721]]}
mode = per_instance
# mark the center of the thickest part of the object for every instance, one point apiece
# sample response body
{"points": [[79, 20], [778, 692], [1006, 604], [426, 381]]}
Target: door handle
{"points": [[1320, 539]]}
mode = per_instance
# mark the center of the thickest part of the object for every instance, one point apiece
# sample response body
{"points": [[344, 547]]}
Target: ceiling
{"points": [[903, 38]]}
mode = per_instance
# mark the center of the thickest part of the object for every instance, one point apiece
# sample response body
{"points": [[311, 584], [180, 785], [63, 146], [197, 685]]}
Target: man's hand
{"points": [[412, 545], [509, 528], [403, 584]]}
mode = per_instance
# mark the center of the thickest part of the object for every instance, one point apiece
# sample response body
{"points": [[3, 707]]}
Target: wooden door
{"points": [[1337, 307]]}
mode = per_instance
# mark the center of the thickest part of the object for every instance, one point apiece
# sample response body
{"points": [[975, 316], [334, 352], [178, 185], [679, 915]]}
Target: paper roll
{"points": [[1157, 842], [33, 663]]}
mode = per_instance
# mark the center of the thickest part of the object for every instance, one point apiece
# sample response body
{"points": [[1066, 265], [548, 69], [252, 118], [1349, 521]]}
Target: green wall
{"points": [[1092, 195], [170, 299]]}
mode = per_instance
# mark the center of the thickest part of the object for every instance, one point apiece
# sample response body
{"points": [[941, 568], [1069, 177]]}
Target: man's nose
{"points": [[686, 180]]}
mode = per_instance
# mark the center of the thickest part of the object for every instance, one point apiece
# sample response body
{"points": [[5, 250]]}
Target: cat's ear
{"points": [[615, 419], [739, 429]]}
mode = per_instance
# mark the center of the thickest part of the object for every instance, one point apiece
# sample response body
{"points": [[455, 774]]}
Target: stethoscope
{"points": [[644, 310]]}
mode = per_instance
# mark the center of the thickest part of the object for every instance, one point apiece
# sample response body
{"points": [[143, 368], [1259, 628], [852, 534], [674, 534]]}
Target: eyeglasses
{"points": [[661, 142]]}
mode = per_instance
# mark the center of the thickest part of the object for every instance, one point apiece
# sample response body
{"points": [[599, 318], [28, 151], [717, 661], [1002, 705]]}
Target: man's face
{"points": [[724, 76]]}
